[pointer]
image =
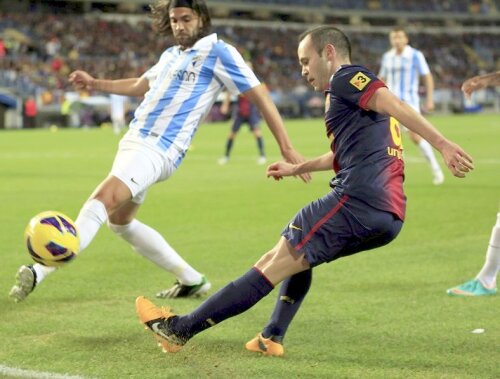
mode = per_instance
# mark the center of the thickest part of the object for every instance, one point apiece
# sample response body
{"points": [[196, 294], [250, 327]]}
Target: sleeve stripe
{"points": [[372, 87]]}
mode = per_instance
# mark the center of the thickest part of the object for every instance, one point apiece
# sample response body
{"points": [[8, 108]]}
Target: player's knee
{"points": [[118, 229], [266, 258], [109, 199]]}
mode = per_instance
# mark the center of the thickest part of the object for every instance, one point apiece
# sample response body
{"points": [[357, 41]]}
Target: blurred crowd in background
{"points": [[39, 49]]}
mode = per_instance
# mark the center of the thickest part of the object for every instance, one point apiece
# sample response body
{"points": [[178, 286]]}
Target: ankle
{"points": [[487, 284]]}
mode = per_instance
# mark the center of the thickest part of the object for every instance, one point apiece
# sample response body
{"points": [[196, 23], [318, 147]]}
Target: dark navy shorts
{"points": [[252, 121], [333, 227]]}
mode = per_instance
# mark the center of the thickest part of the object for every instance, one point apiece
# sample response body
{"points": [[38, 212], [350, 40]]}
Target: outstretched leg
{"points": [[235, 298], [106, 198], [151, 245]]}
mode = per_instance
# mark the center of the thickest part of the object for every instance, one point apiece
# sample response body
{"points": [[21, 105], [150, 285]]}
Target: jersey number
{"points": [[396, 132]]}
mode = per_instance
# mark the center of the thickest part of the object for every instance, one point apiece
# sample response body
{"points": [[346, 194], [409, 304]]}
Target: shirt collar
{"points": [[406, 51]]}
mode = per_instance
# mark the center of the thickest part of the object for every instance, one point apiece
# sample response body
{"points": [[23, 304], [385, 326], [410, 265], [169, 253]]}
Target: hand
{"points": [[280, 169], [471, 85], [81, 80], [224, 109], [429, 105], [292, 156], [456, 159]]}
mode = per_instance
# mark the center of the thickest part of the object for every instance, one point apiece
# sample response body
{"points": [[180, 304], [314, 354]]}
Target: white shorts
{"points": [[139, 166]]}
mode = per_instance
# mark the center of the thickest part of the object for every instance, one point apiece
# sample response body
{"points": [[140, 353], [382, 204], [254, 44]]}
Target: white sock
{"points": [[428, 152], [92, 215], [151, 245], [488, 274], [42, 271]]}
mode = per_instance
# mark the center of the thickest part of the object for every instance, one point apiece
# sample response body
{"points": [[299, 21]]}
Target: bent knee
{"points": [[110, 201], [118, 229]]}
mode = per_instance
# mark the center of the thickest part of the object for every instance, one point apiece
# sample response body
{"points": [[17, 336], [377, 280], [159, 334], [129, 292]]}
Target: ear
{"points": [[330, 51]]}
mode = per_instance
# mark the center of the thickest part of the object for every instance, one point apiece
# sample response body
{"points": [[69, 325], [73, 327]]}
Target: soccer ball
{"points": [[52, 239]]}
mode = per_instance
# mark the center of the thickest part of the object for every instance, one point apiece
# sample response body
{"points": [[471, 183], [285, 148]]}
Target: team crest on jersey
{"points": [[195, 60], [360, 80]]}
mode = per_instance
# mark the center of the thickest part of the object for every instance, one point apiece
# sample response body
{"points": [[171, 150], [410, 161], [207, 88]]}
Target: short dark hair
{"points": [[160, 14], [397, 29], [327, 34]]}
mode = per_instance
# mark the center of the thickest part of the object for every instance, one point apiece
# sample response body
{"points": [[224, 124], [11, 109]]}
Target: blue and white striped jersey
{"points": [[402, 72], [183, 86]]}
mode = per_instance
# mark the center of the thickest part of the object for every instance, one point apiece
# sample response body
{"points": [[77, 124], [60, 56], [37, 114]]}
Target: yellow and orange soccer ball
{"points": [[52, 239]]}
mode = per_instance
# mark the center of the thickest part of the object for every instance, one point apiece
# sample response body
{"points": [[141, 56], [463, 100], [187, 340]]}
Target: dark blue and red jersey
{"points": [[244, 106], [368, 154]]}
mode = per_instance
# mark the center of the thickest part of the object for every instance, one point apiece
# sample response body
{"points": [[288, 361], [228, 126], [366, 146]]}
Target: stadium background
{"points": [[381, 314], [42, 41]]}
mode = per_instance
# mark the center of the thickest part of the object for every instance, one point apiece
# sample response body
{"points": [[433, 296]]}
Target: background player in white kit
{"points": [[178, 92], [401, 69]]}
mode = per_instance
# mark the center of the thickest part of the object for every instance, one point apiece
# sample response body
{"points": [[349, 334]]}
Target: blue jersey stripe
{"points": [[413, 77], [232, 68], [204, 80], [153, 91], [167, 96], [402, 81]]}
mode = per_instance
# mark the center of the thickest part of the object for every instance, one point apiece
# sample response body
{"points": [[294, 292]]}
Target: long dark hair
{"points": [[161, 19]]}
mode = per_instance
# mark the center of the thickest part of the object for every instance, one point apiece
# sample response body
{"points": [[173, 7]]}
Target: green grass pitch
{"points": [[378, 314]]}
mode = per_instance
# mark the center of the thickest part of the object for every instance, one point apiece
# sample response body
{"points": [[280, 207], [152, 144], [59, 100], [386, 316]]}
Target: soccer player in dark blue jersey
{"points": [[365, 208]]}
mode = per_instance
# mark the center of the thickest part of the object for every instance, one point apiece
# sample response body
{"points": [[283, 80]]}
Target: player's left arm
{"points": [[383, 101], [425, 73], [429, 92], [280, 169]]}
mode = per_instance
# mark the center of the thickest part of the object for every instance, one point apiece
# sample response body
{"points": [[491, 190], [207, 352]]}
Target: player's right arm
{"points": [[385, 102], [280, 169], [127, 87]]}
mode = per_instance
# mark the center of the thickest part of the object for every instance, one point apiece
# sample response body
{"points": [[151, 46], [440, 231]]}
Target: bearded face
{"points": [[186, 26]]}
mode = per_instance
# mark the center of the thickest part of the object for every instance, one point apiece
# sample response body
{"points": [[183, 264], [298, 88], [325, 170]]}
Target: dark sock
{"points": [[260, 145], [233, 299], [229, 146], [292, 292]]}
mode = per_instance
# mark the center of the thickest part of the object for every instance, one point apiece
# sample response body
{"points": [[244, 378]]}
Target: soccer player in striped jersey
{"points": [[364, 210], [485, 283], [401, 69], [178, 91]]}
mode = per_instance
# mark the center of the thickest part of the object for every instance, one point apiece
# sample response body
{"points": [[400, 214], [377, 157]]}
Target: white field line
{"points": [[28, 155], [410, 159], [15, 372]]}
